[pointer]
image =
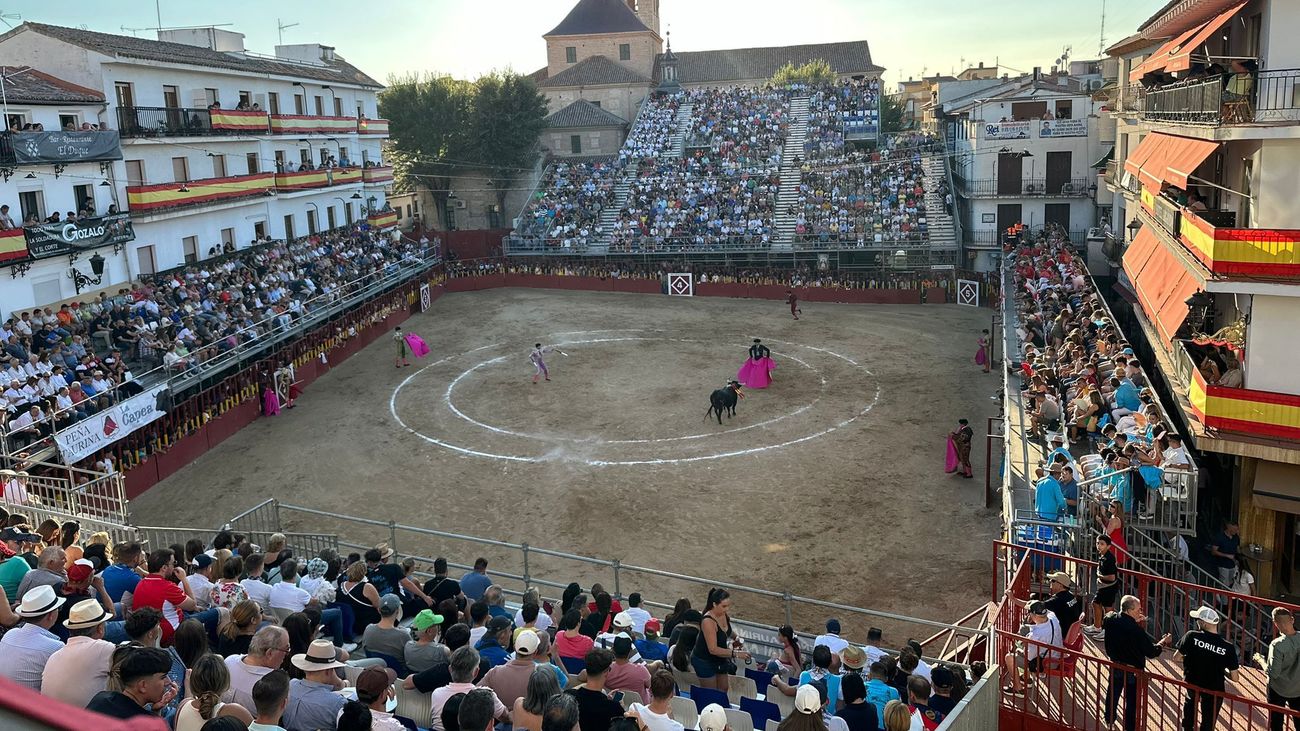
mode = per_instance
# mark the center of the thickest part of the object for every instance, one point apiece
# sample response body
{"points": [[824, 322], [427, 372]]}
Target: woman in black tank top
{"points": [[717, 648]]}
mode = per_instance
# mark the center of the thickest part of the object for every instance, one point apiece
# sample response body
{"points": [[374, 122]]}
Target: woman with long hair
{"points": [[208, 680], [566, 599], [799, 719], [235, 634], [718, 648], [70, 540], [542, 686], [790, 660], [679, 655], [897, 717], [674, 617], [362, 596]]}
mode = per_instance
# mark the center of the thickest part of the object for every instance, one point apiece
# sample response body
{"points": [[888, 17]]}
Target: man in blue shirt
{"points": [[1049, 501], [476, 582], [1126, 399], [1070, 491], [496, 640], [1224, 549], [121, 576]]}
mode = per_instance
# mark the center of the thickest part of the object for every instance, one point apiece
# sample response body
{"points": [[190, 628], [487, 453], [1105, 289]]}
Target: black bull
{"points": [[724, 399]]}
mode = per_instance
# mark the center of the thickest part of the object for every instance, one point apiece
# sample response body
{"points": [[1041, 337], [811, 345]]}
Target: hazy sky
{"points": [[468, 37]]}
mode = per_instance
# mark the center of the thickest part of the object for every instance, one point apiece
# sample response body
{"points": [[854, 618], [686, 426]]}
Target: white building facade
{"points": [[212, 137], [1023, 152]]}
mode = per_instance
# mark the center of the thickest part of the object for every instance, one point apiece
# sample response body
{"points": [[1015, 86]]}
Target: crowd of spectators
{"points": [[227, 629], [1088, 398], [744, 125], [566, 211], [836, 110], [876, 196], [60, 366], [653, 132]]}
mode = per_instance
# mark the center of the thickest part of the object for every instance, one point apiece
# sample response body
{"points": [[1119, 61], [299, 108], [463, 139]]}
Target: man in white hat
{"points": [[1207, 659], [27, 647], [510, 681], [713, 718], [79, 670], [313, 703]]}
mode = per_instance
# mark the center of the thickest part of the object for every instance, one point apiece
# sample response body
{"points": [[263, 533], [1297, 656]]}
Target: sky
{"points": [[466, 38]]}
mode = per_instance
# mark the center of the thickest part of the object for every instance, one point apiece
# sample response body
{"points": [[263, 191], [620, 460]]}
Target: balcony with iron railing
{"points": [[148, 199], [1227, 409], [1224, 248], [138, 122], [1026, 187], [1267, 97]]}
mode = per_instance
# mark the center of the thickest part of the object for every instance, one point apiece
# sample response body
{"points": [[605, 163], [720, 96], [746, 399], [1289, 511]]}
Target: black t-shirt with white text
{"points": [[1067, 607], [1106, 566], [1207, 658]]}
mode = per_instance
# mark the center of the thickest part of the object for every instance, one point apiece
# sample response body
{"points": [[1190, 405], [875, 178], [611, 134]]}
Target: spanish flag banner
{"points": [[1241, 251], [13, 244], [173, 195], [238, 120], [382, 220]]}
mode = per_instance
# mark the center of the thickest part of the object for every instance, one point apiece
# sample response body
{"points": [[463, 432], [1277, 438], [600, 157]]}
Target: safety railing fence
{"points": [[948, 644], [37, 514], [69, 491], [304, 545], [1076, 690], [1027, 187], [1267, 96], [517, 566]]}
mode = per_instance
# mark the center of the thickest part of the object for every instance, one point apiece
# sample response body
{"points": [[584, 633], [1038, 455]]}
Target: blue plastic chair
{"points": [[761, 678], [761, 711], [705, 696], [573, 665]]}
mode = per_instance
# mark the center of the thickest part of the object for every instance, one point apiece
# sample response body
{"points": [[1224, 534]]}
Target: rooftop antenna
{"points": [[1101, 41], [283, 26], [6, 17], [157, 9]]}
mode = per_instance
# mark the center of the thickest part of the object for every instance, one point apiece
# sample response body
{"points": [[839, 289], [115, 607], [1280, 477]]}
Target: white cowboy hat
{"points": [[39, 601], [86, 614], [320, 655]]}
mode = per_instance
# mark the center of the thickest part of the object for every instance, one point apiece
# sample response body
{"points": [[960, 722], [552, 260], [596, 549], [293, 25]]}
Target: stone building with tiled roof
{"points": [[584, 129], [610, 54]]}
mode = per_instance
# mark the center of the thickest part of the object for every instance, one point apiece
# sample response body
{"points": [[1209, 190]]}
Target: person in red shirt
{"points": [[158, 590], [792, 299]]}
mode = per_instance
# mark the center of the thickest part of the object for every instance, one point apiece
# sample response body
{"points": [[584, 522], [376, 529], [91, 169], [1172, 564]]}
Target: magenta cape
{"points": [[756, 373], [950, 461], [418, 347], [270, 402]]}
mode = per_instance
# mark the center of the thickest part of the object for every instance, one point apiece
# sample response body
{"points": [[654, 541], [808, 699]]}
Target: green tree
{"points": [[817, 71], [507, 116], [428, 121], [891, 114]]}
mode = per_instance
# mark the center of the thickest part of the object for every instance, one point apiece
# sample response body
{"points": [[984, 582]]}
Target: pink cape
{"points": [[950, 461], [756, 373], [270, 402], [418, 347], [980, 355]]}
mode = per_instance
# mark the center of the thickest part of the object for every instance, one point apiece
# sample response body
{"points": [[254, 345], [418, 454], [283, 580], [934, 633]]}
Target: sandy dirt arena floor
{"points": [[829, 484]]}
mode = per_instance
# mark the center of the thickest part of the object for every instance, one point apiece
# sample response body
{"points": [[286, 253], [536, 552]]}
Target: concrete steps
{"points": [[942, 230], [678, 137], [788, 194]]}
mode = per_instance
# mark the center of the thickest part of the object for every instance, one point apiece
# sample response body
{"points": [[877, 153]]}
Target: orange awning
{"points": [[1140, 154], [1161, 281], [1181, 59], [1182, 155], [1158, 60]]}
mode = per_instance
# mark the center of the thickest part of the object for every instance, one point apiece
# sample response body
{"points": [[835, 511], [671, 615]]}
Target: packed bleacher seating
{"points": [[834, 111], [744, 125], [652, 134], [64, 366], [699, 202], [1088, 398], [566, 212], [220, 627], [873, 196]]}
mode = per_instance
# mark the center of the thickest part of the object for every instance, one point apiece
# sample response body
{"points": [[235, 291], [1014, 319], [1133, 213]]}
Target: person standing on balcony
{"points": [[1206, 659], [1107, 586], [1282, 666], [1127, 643], [1224, 550]]}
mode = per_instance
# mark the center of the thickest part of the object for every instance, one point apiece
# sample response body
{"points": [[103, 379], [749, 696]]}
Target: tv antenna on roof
{"points": [[6, 17], [283, 26]]}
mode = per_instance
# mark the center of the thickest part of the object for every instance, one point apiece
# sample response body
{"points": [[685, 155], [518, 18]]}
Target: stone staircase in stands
{"points": [[788, 194], [942, 230], [683, 126]]}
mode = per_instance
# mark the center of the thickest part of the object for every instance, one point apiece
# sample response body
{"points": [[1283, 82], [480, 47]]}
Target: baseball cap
{"points": [[425, 619], [202, 561], [373, 682], [653, 625], [1061, 578], [527, 643], [806, 700], [389, 605], [622, 619], [942, 677], [80, 570], [1039, 608], [713, 718], [13, 534], [497, 624], [1206, 615]]}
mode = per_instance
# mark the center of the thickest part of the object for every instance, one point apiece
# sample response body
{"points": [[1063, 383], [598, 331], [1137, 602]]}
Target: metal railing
{"points": [[1073, 693], [517, 566], [166, 122], [1268, 96], [1027, 187], [82, 493]]}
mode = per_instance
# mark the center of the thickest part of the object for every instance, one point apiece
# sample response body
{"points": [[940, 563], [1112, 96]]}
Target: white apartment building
{"points": [[1023, 152], [212, 136]]}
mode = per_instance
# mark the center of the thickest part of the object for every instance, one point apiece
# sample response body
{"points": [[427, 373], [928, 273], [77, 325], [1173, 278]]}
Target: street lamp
{"points": [[1133, 227], [81, 281]]}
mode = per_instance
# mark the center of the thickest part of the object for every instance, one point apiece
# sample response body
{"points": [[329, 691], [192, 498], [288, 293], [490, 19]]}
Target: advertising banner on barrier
{"points": [[1063, 128], [52, 239], [100, 430], [1006, 130], [34, 148]]}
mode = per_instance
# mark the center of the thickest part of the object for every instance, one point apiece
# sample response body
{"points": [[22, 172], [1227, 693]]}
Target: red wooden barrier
{"points": [[936, 296]]}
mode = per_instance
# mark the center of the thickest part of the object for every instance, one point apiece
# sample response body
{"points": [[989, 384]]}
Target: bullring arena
{"points": [[828, 484]]}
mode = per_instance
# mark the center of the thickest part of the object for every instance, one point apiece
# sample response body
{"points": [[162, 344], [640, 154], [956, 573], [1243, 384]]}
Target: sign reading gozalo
{"points": [[52, 239], [1006, 130], [100, 430], [1063, 128]]}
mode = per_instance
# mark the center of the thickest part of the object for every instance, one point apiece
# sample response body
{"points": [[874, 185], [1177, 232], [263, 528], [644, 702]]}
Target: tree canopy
{"points": [[507, 117], [891, 114], [817, 71]]}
